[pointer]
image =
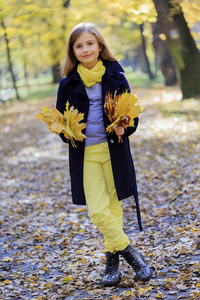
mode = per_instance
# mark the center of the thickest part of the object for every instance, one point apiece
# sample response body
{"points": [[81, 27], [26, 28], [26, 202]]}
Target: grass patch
{"points": [[32, 94], [189, 109], [38, 94], [139, 79]]}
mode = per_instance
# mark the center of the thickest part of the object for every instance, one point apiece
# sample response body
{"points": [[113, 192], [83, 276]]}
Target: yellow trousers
{"points": [[104, 208]]}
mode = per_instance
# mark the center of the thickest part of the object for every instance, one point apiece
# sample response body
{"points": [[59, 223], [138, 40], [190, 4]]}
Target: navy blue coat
{"points": [[72, 89]]}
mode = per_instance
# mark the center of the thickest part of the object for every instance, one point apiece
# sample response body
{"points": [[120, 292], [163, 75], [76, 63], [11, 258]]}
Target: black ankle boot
{"points": [[137, 262], [111, 276]]}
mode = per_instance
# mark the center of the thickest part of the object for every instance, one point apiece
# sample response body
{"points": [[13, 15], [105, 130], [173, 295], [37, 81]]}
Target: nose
{"points": [[85, 49]]}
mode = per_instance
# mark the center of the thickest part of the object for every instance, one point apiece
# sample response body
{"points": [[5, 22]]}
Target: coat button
{"points": [[111, 141]]}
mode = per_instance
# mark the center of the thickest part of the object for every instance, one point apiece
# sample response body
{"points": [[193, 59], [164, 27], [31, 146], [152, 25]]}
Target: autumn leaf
{"points": [[198, 284], [115, 297], [160, 295], [67, 279], [175, 271], [37, 247], [121, 110], [127, 293], [45, 269], [142, 290], [195, 294], [6, 259], [7, 281], [73, 127], [57, 127], [69, 123]]}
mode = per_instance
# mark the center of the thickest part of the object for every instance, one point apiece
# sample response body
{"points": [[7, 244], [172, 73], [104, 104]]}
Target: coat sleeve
{"points": [[129, 130], [60, 104]]}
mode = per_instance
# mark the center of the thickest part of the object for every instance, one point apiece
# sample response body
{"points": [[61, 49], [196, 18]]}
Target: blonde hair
{"points": [[70, 59]]}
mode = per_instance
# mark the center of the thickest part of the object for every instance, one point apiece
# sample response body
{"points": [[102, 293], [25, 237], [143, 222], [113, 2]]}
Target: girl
{"points": [[101, 169]]}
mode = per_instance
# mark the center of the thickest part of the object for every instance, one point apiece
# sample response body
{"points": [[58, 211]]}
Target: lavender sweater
{"points": [[95, 130]]}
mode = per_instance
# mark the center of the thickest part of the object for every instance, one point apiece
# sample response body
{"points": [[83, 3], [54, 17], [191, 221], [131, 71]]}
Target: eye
{"points": [[79, 46], [90, 43]]}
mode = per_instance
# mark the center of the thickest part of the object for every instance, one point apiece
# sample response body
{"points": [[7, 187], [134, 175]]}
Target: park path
{"points": [[48, 247]]}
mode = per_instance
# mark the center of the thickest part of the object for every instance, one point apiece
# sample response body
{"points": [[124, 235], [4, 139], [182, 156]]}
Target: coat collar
{"points": [[112, 67]]}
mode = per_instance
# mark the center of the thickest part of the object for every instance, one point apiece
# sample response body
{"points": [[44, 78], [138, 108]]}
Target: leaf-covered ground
{"points": [[49, 248]]}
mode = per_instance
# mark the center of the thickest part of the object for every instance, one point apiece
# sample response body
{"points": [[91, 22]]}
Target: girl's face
{"points": [[86, 49]]}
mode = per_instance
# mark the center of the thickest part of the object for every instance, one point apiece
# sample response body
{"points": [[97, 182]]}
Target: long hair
{"points": [[70, 59]]}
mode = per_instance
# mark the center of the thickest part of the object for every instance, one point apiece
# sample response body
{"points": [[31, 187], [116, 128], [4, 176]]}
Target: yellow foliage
{"points": [[160, 295], [45, 269], [69, 123], [67, 279], [38, 247], [191, 10], [128, 293], [115, 297], [144, 290], [7, 281], [198, 285], [121, 110], [135, 11]]}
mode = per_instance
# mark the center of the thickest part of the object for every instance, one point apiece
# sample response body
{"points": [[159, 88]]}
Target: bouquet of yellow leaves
{"points": [[121, 110], [69, 123]]}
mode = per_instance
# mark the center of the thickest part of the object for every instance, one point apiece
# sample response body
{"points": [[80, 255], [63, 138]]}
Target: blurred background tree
{"points": [[149, 37], [180, 41]]}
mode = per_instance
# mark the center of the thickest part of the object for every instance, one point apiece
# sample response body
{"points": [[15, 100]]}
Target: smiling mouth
{"points": [[86, 56]]}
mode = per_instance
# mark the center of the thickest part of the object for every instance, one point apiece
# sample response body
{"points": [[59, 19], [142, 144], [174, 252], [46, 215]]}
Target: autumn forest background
{"points": [[48, 247], [158, 39]]}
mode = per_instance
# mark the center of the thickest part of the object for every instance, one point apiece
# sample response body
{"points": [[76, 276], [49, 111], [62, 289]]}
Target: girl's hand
{"points": [[119, 130]]}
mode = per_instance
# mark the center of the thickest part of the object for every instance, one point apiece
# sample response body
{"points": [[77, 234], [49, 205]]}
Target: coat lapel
{"points": [[109, 84], [80, 89]]}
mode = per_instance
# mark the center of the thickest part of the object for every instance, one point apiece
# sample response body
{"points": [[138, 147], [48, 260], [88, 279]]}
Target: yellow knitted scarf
{"points": [[92, 76]]}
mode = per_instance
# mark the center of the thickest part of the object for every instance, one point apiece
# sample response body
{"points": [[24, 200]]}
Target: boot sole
{"points": [[115, 283], [147, 278]]}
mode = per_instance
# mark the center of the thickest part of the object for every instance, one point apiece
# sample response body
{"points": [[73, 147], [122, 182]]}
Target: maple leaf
{"points": [[121, 110], [73, 127], [57, 127], [67, 123]]}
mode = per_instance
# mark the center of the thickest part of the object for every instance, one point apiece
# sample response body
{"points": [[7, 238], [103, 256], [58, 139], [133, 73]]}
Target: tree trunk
{"points": [[182, 46], [56, 67], [25, 64], [139, 59], [56, 73], [165, 60], [9, 59], [146, 60], [66, 3]]}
